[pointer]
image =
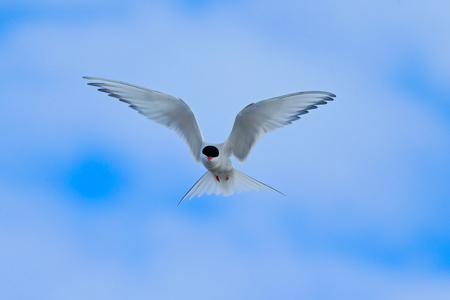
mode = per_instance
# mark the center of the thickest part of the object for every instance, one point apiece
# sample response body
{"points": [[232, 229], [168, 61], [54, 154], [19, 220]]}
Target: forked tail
{"points": [[236, 181]]}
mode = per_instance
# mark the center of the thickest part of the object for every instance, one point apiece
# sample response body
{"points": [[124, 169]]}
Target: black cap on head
{"points": [[210, 151]]}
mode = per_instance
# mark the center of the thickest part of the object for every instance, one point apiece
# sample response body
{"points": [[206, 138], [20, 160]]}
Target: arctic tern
{"points": [[251, 123]]}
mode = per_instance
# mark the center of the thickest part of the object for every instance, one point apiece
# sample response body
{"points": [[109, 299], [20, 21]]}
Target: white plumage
{"points": [[255, 120], [251, 123]]}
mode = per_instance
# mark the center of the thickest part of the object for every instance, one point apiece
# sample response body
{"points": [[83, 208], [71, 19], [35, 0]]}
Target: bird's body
{"points": [[213, 160], [251, 123]]}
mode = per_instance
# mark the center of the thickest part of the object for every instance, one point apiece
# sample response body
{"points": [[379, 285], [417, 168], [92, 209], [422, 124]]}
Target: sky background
{"points": [[89, 188]]}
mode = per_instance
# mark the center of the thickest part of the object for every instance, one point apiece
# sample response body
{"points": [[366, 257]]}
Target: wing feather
{"points": [[167, 110], [257, 119]]}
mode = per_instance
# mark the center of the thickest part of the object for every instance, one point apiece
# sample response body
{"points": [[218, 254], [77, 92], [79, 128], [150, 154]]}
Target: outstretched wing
{"points": [[256, 119], [164, 109]]}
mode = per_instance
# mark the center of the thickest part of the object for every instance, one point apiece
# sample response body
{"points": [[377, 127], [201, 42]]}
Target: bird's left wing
{"points": [[256, 119], [167, 110]]}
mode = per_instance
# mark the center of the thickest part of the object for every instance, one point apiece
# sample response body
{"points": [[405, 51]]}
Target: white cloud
{"points": [[347, 168]]}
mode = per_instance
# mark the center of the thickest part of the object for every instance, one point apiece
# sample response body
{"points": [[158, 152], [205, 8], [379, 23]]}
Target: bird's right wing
{"points": [[256, 119], [164, 109]]}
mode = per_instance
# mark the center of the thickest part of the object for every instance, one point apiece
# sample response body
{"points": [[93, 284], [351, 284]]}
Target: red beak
{"points": [[209, 158]]}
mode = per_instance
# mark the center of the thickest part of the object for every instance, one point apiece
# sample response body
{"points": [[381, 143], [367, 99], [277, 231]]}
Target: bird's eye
{"points": [[210, 151]]}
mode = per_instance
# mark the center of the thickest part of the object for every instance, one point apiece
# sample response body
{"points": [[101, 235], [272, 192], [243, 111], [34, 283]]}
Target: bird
{"points": [[251, 124]]}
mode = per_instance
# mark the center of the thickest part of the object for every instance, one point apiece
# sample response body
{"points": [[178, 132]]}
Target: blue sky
{"points": [[89, 188]]}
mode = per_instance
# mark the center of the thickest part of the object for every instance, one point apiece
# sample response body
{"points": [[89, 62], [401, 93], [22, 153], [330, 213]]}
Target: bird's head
{"points": [[210, 152]]}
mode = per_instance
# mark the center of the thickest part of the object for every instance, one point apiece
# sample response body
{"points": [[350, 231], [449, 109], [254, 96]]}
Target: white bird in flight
{"points": [[251, 123]]}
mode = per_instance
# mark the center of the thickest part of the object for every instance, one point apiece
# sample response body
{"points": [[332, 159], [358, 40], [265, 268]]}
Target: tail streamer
{"points": [[236, 181]]}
